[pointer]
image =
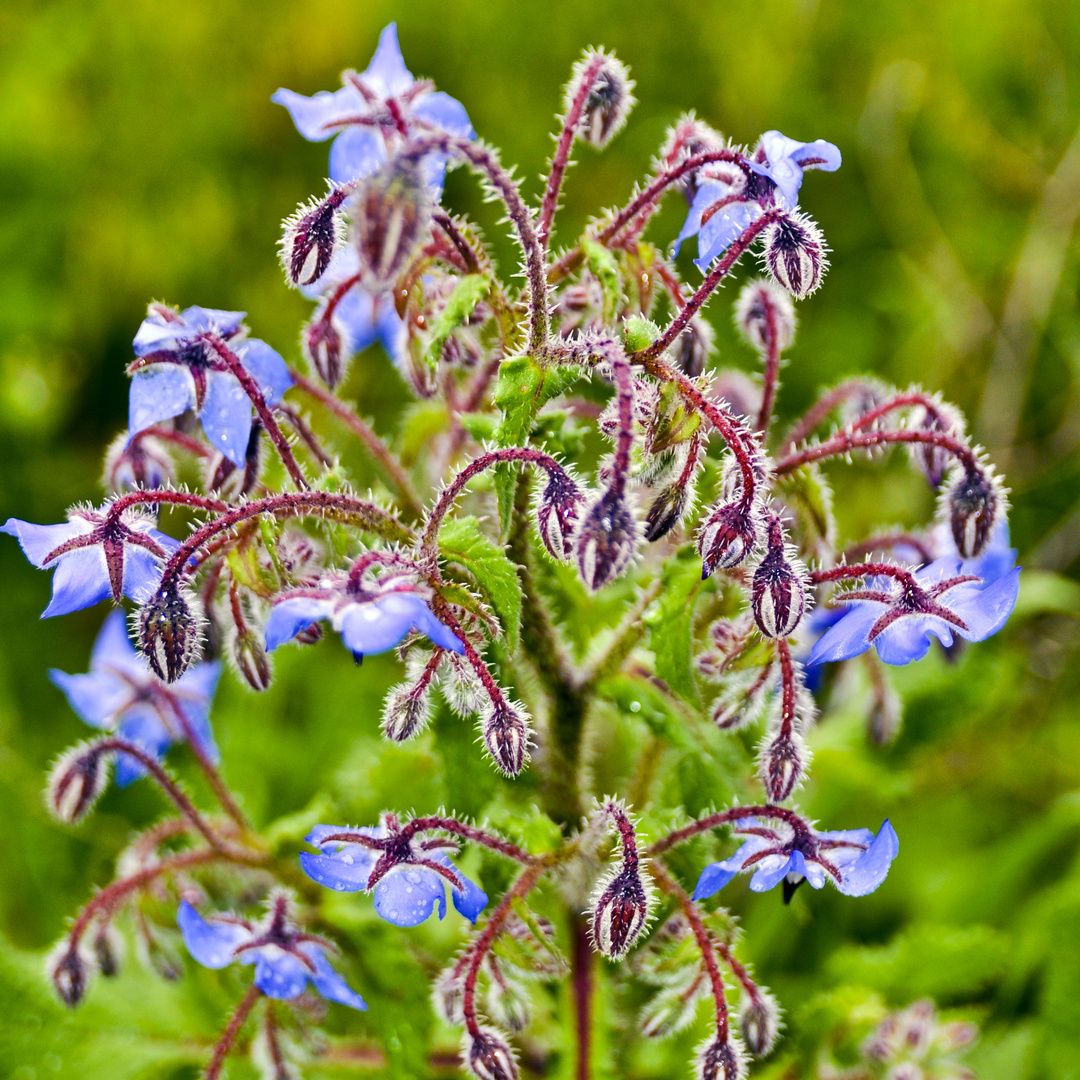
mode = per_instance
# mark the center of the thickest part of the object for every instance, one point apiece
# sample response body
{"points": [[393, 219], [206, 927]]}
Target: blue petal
{"points": [[211, 943], [113, 649], [408, 894], [289, 617], [96, 697], [159, 392], [356, 316], [312, 114], [708, 192], [722, 230], [387, 74], [222, 323], [345, 871], [156, 333], [37, 541], [81, 580], [985, 610], [714, 877], [356, 152], [437, 632], [373, 626], [142, 726], [872, 867], [142, 573], [197, 715], [266, 367], [329, 983], [849, 636], [279, 974], [773, 869], [470, 901], [908, 638], [996, 561], [445, 112], [226, 415]]}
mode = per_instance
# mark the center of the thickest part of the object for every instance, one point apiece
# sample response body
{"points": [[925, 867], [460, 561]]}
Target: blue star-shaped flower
{"points": [[370, 110], [728, 201], [178, 369], [368, 624], [119, 693], [900, 618], [408, 877], [95, 554], [854, 860], [285, 960]]}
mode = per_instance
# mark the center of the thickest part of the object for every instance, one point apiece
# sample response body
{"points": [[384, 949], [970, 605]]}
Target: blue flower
{"points": [[408, 877], [120, 694], [178, 369], [728, 200], [855, 860], [366, 112], [900, 618], [95, 554], [368, 624], [285, 960]]}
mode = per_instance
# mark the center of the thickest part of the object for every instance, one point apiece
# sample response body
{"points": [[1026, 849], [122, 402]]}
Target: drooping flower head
{"points": [[95, 554], [120, 694], [408, 876], [374, 111], [178, 368], [285, 959], [728, 199], [790, 851]]}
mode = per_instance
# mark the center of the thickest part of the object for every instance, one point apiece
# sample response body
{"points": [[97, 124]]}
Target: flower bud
{"points": [[742, 699], [934, 461], [508, 735], [406, 711], [448, 996], [136, 463], [108, 949], [393, 217], [720, 1059], [461, 687], [610, 97], [620, 910], [666, 511], [323, 344], [606, 539], [975, 501], [169, 627], [309, 239], [692, 347], [508, 1004], [488, 1056], [68, 972], [795, 254], [76, 782], [729, 535], [778, 594], [251, 661], [762, 311], [557, 512], [759, 1020], [670, 1011], [783, 764], [686, 139]]}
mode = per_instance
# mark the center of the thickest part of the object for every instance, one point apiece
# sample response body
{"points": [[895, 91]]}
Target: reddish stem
{"points": [[821, 408], [789, 689], [232, 1029], [900, 401], [772, 364], [177, 438], [469, 832], [582, 982], [725, 817], [860, 570], [844, 442], [889, 540]]}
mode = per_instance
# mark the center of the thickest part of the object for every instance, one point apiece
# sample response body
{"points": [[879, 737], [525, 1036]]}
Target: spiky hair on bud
{"points": [[606, 538], [720, 1059], [488, 1055], [250, 660], [609, 96], [507, 732], [783, 759], [557, 504], [688, 137], [729, 535], [76, 782], [142, 462], [310, 237], [107, 949], [461, 686], [393, 218], [762, 309], [795, 253], [69, 972], [406, 711], [507, 999], [169, 628], [693, 347], [760, 1020], [973, 502], [324, 343], [743, 698], [780, 591], [940, 416]]}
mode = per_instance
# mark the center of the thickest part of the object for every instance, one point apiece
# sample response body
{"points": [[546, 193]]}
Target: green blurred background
{"points": [[140, 157]]}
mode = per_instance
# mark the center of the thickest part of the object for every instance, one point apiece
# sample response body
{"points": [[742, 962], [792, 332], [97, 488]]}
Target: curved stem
{"points": [[468, 832], [232, 1029], [899, 401], [804, 426], [860, 570], [144, 497], [845, 441], [725, 817]]}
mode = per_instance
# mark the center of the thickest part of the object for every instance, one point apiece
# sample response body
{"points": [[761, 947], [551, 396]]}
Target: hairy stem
{"points": [[232, 1029], [843, 442]]}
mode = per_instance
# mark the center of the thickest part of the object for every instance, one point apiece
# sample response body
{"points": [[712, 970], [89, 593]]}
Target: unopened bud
{"points": [[720, 1059], [310, 635], [393, 216], [557, 511], [69, 973], [795, 254], [783, 764], [778, 594], [508, 1004], [309, 239], [323, 343], [169, 627], [489, 1057], [508, 735], [975, 501], [108, 949], [742, 699], [729, 535], [461, 687], [934, 461], [610, 97], [77, 781], [606, 539], [667, 511], [686, 139], [448, 997], [620, 910], [136, 463], [406, 711], [251, 661], [765, 312], [692, 347], [670, 1011], [759, 1020]]}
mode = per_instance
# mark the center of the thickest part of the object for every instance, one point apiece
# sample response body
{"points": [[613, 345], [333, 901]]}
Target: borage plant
{"points": [[605, 554]]}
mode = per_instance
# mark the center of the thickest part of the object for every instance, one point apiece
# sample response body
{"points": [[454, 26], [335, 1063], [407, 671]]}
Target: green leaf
{"points": [[670, 621], [601, 262], [461, 541], [481, 426], [468, 292]]}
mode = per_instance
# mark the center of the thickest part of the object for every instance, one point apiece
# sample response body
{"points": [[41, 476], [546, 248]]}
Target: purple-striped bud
{"points": [[934, 461], [795, 254], [406, 711], [729, 535], [783, 764], [759, 1021], [169, 628], [763, 312], [620, 910], [610, 97], [141, 462], [393, 218], [692, 347], [557, 510], [720, 1059], [778, 594], [508, 735], [251, 661], [76, 782], [489, 1056], [667, 510], [322, 343], [975, 501], [69, 973], [309, 238], [606, 539]]}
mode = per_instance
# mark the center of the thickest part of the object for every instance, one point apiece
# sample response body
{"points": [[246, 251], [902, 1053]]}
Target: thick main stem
{"points": [[232, 1029], [582, 988]]}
